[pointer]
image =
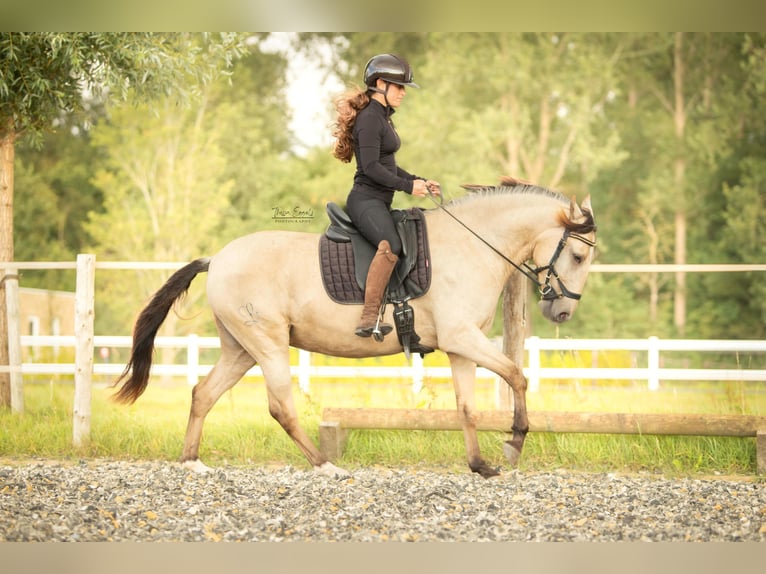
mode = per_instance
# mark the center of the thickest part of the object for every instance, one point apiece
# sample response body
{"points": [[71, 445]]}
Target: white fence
{"points": [[84, 341], [417, 372]]}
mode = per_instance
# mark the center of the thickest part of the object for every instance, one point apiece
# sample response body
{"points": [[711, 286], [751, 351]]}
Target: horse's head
{"points": [[562, 256]]}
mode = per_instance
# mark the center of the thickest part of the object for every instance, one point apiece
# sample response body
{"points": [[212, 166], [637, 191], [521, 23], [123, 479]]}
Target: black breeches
{"points": [[372, 217]]}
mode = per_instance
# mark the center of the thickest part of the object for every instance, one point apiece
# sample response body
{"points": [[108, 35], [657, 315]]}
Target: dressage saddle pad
{"points": [[345, 256]]}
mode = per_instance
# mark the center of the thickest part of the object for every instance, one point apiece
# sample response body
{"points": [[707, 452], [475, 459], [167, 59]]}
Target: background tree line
{"points": [[666, 131]]}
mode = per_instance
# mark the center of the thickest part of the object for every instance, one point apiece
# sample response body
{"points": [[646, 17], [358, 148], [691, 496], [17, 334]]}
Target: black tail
{"points": [[145, 330]]}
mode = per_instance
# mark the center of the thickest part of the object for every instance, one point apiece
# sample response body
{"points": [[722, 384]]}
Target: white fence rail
{"points": [[417, 372]]}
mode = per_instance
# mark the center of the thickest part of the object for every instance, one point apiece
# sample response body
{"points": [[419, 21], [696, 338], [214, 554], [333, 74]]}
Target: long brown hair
{"points": [[348, 106]]}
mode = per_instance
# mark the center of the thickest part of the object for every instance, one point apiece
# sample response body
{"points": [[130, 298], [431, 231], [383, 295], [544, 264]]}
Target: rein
{"points": [[547, 292]]}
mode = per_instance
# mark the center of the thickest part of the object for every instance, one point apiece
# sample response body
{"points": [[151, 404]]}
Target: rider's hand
{"points": [[420, 187], [434, 187]]}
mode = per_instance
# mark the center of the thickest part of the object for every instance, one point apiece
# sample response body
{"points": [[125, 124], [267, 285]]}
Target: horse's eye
{"points": [[578, 258]]}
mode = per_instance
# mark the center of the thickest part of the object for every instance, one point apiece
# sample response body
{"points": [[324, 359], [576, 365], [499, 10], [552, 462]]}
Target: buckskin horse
{"points": [[266, 293]]}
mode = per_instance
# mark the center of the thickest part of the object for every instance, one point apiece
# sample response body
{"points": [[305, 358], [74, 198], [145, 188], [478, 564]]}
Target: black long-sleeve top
{"points": [[375, 145]]}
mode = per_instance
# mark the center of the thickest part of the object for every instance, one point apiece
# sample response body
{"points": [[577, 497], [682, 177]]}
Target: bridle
{"points": [[547, 292]]}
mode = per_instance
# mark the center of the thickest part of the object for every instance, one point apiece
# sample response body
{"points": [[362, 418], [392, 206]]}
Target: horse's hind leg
{"points": [[276, 371], [230, 368]]}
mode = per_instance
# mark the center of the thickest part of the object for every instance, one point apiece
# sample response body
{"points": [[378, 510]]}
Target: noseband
{"points": [[547, 292]]}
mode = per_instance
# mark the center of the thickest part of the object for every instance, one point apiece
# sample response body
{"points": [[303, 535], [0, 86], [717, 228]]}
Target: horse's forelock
{"points": [[587, 225]]}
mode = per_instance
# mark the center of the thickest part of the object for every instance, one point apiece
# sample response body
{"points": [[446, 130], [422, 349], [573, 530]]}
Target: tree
{"points": [[181, 184], [44, 74], [533, 106], [681, 111], [164, 199], [53, 196]]}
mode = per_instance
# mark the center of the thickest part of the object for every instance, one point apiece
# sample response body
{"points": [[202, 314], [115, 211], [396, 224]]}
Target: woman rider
{"points": [[363, 129]]}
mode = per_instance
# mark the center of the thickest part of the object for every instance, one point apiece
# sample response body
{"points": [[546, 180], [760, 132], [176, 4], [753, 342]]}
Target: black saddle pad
{"points": [[344, 283]]}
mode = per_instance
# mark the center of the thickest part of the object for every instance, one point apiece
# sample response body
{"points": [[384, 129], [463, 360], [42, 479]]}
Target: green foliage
{"points": [[43, 74], [527, 105], [55, 195]]}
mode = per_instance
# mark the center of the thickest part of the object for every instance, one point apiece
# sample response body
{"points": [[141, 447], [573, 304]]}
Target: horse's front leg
{"points": [[512, 448], [464, 379], [474, 347]]}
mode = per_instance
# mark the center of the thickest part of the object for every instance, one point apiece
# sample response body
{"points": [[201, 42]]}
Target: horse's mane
{"points": [[510, 185]]}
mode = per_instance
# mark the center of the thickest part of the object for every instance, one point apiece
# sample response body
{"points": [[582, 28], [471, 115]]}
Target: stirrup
{"points": [[377, 331]]}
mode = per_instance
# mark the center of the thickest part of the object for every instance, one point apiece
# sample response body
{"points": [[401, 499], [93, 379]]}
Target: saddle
{"points": [[345, 256]]}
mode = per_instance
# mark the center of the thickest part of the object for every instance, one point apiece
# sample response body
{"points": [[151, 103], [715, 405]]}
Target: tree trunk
{"points": [[653, 278], [6, 253], [679, 307]]}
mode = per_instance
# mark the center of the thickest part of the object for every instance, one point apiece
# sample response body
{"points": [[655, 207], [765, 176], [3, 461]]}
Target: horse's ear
{"points": [[574, 209], [586, 206]]}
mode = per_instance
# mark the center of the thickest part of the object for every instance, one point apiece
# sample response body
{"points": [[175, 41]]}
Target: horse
{"points": [[266, 295]]}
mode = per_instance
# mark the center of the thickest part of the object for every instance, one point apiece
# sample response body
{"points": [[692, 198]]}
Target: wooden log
{"points": [[558, 422], [332, 440], [760, 451]]}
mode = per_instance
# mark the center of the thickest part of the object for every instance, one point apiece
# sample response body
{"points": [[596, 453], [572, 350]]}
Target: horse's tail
{"points": [[146, 327]]}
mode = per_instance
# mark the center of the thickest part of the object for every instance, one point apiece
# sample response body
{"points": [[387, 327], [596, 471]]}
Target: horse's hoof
{"points": [[489, 472], [197, 466], [485, 471], [329, 469], [512, 454]]}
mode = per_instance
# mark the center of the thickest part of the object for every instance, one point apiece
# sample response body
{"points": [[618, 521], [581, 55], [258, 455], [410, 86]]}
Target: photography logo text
{"points": [[295, 214]]}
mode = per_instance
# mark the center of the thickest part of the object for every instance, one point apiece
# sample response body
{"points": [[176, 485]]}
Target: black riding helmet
{"points": [[388, 67]]}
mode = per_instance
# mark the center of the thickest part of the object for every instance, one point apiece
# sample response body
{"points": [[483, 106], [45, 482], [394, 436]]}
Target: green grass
{"points": [[239, 430]]}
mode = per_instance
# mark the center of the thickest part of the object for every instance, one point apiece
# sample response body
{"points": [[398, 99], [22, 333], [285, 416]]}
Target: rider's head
{"points": [[385, 69]]}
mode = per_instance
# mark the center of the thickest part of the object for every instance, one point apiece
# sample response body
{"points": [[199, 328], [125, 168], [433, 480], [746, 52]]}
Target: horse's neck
{"points": [[509, 222]]}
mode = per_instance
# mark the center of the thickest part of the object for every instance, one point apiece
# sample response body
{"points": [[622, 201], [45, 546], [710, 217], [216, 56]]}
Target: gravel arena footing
{"points": [[99, 500]]}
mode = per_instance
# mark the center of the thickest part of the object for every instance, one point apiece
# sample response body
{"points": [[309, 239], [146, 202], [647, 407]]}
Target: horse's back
{"points": [[263, 248], [265, 260]]}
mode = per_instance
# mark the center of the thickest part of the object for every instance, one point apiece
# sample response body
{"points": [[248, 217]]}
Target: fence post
{"points": [[192, 359], [653, 363], [514, 330], [14, 339], [533, 374], [304, 366], [83, 329], [417, 373]]}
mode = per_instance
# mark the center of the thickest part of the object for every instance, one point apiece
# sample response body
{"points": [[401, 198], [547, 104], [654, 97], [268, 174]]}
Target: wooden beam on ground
{"points": [[333, 430], [544, 421]]}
